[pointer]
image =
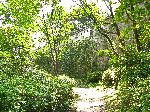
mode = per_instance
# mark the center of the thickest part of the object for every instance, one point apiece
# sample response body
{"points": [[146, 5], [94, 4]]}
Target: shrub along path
{"points": [[90, 99]]}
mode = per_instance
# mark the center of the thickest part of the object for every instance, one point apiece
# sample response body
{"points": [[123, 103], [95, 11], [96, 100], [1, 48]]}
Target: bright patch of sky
{"points": [[35, 36], [0, 23], [68, 4], [2, 1]]}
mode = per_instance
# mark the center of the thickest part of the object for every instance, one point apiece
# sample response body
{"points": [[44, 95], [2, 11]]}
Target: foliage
{"points": [[14, 50], [133, 82], [109, 77], [94, 77], [132, 65], [22, 13], [66, 51], [135, 14], [60, 53], [35, 91], [131, 99], [79, 58], [56, 30], [43, 60]]}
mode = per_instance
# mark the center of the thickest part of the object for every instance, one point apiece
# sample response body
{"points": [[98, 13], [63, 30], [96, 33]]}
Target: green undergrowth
{"points": [[130, 99], [82, 83], [35, 91], [133, 82]]}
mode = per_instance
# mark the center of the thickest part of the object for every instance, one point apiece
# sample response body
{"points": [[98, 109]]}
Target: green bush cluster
{"points": [[35, 91], [109, 77], [132, 99], [94, 77], [132, 65], [133, 82], [79, 58]]}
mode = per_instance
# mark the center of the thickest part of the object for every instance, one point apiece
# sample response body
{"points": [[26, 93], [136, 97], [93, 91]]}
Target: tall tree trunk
{"points": [[115, 25], [50, 46], [135, 30]]}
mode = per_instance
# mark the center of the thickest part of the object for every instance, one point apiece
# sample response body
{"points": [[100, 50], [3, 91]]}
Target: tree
{"points": [[15, 34], [56, 30], [22, 86], [134, 13]]}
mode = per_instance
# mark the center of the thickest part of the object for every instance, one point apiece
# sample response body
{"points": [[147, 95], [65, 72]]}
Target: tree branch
{"points": [[101, 30]]}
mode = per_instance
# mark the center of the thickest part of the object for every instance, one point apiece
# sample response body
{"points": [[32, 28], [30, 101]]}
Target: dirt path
{"points": [[90, 99]]}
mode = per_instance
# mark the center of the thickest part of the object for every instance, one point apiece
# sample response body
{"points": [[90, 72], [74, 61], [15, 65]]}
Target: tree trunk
{"points": [[135, 30]]}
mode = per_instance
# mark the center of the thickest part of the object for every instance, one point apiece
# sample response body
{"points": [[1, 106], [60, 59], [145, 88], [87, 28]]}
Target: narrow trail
{"points": [[90, 99]]}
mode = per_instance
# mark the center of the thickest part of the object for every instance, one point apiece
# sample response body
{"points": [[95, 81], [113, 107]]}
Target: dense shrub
{"points": [[79, 58], [131, 65], [109, 77], [94, 77], [132, 99], [35, 91], [134, 82]]}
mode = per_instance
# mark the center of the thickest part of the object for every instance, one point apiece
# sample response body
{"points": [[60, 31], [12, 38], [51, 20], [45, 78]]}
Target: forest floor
{"points": [[91, 99]]}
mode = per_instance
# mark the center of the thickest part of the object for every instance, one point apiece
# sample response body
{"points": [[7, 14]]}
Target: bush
{"points": [[94, 77], [132, 65], [134, 82], [109, 77], [35, 91], [132, 99], [78, 58]]}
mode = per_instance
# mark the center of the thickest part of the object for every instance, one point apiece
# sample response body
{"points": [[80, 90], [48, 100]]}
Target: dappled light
{"points": [[74, 56]]}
